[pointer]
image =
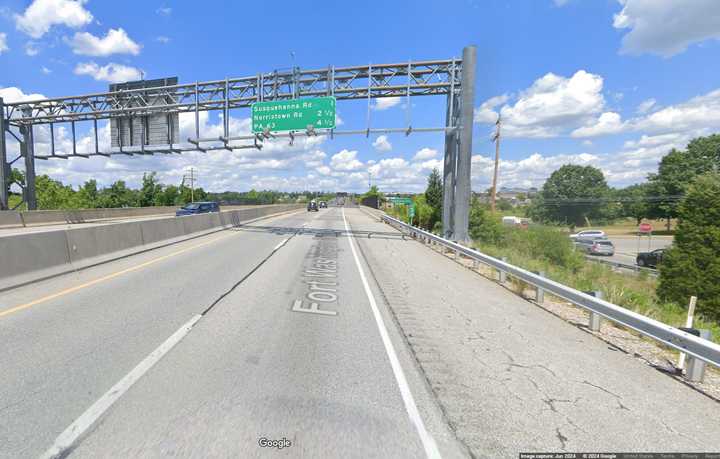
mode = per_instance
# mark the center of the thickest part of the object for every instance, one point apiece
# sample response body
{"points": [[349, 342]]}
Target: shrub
{"points": [[692, 265]]}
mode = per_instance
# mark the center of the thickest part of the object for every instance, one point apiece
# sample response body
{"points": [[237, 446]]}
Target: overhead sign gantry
{"points": [[136, 112]]}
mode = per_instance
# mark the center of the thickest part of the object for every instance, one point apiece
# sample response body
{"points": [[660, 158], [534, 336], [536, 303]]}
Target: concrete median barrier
{"points": [[26, 258]]}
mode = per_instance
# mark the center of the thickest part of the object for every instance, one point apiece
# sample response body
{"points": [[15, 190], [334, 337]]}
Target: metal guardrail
{"points": [[692, 345], [617, 264]]}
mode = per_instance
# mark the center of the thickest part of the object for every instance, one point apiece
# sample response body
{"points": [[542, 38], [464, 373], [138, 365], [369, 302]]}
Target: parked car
{"points": [[651, 259], [595, 246], [323, 204], [589, 234], [198, 208], [312, 206]]}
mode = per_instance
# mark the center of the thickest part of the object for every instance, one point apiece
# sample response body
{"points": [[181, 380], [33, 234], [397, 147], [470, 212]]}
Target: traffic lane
{"points": [[511, 377], [256, 368], [60, 354], [627, 248]]}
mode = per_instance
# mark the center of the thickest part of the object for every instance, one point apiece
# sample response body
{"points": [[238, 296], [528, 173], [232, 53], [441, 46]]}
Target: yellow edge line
{"points": [[108, 277]]}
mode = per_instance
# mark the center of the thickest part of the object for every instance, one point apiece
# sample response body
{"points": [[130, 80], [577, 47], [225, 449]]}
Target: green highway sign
{"points": [[294, 114]]}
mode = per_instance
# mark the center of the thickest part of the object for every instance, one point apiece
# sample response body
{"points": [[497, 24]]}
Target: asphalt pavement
{"points": [[229, 345], [316, 334]]}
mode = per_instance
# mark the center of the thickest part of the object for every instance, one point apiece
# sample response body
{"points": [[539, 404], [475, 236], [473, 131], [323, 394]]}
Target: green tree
{"points": [[483, 226], [88, 195], [424, 212], [692, 265], [118, 195], [678, 168], [169, 196], [150, 190], [52, 194], [434, 197], [633, 201], [573, 182]]}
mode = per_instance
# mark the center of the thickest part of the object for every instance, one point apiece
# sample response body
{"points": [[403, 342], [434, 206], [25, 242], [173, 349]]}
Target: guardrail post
{"points": [[540, 293], [502, 275], [456, 255], [475, 265], [695, 371], [595, 318]]}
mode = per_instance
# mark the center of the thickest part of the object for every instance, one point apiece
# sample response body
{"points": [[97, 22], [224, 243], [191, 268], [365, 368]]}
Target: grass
{"points": [[634, 292]]}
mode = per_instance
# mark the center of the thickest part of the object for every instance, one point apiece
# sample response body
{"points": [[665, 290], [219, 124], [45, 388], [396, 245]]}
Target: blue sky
{"points": [[610, 83]]}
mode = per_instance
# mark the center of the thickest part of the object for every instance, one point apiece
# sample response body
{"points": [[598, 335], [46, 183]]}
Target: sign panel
{"points": [[156, 129], [294, 114], [645, 228]]}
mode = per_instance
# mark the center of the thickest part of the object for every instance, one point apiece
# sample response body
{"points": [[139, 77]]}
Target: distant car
{"points": [[312, 206], [589, 234], [323, 204], [198, 208], [595, 246], [651, 259]]}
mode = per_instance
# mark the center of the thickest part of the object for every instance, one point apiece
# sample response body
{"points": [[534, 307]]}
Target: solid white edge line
{"points": [[80, 426], [431, 449]]}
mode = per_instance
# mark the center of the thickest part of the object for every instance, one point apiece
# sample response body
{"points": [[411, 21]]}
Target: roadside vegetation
{"points": [[53, 194], [683, 197]]}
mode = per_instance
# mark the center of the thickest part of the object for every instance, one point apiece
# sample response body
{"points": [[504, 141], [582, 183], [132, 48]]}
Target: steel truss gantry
{"points": [[453, 78]]}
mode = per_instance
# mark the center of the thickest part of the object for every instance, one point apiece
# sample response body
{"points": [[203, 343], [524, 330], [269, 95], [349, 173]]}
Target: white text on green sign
{"points": [[294, 114]]}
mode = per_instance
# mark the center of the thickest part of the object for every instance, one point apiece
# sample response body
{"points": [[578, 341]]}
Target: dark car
{"points": [[198, 208], [323, 204], [312, 206], [651, 259]]}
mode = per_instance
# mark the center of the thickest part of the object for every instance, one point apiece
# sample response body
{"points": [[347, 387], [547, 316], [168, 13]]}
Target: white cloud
{"points": [[162, 39], [346, 160], [41, 15], [486, 113], [666, 27], [607, 123], [382, 143], [696, 113], [587, 143], [45, 70], [3, 43], [645, 106], [425, 153], [113, 73], [386, 102], [164, 11], [31, 48], [116, 41], [13, 94], [550, 107]]}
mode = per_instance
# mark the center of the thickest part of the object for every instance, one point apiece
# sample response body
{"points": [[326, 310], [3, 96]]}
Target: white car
{"points": [[589, 234]]}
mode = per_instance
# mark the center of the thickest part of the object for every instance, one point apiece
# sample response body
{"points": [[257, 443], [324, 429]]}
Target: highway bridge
{"points": [[288, 333]]}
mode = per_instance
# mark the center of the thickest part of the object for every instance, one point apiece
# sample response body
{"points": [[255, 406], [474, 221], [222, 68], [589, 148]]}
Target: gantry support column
{"points": [[458, 152], [28, 152], [4, 166], [464, 154]]}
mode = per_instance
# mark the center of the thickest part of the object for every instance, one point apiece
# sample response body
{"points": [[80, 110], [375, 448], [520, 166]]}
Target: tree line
{"points": [[53, 194], [577, 195]]}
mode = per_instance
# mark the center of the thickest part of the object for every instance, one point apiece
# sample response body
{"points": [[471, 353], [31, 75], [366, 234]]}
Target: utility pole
{"points": [[191, 179], [496, 138]]}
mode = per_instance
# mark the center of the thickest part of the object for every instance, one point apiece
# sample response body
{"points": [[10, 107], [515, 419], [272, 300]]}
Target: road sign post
{"points": [[294, 114]]}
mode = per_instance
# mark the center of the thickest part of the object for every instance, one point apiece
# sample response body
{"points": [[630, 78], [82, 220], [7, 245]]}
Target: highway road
{"points": [[325, 333], [627, 247]]}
